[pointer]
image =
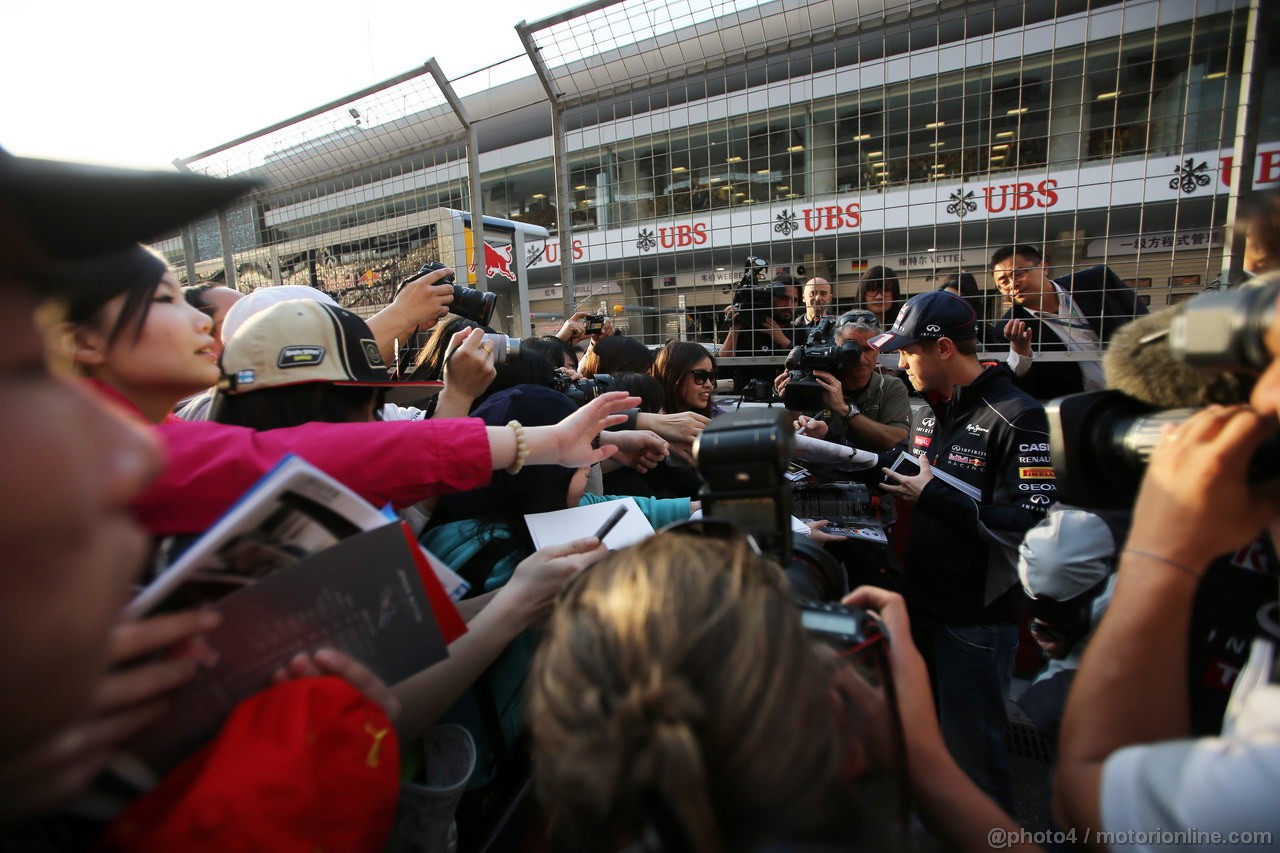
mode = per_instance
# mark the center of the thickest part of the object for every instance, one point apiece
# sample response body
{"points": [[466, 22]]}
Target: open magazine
{"points": [[298, 564], [294, 510]]}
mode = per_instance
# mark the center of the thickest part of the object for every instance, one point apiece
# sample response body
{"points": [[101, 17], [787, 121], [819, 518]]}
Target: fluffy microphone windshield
{"points": [[1138, 362]]}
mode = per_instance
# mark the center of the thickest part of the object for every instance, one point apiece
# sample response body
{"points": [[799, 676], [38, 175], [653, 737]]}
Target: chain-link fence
{"points": [[665, 143]]}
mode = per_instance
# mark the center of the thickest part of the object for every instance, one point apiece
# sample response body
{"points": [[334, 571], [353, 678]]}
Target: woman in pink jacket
{"points": [[138, 341]]}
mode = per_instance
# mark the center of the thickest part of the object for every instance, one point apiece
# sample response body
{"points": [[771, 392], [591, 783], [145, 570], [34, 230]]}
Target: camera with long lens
{"points": [[743, 457], [1101, 441], [469, 303], [582, 391], [751, 297], [803, 392]]}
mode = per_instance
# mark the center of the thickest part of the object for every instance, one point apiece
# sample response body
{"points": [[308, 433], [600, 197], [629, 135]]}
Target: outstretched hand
{"points": [[570, 442], [539, 577]]}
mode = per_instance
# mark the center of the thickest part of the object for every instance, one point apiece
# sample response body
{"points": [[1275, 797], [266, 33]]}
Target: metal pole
{"points": [[473, 168], [228, 257], [1246, 139], [564, 213], [189, 252], [523, 309]]}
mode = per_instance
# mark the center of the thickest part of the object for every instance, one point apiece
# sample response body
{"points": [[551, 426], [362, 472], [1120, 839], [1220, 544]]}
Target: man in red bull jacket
{"points": [[985, 478]]}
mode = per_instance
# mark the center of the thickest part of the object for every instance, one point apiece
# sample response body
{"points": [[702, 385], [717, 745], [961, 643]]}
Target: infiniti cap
{"points": [[929, 316]]}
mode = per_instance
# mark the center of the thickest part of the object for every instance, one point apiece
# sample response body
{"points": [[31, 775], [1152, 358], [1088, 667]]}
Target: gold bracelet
{"points": [[1161, 559], [522, 448]]}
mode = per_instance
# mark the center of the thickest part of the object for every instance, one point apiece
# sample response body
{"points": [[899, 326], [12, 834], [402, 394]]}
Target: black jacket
{"points": [[962, 553], [1105, 302]]}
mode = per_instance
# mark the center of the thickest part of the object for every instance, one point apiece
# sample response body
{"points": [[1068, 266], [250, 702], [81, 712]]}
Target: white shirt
{"points": [[1074, 331], [1179, 792]]}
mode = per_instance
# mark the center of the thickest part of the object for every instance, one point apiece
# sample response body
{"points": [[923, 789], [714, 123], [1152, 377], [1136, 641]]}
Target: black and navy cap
{"points": [[929, 316]]}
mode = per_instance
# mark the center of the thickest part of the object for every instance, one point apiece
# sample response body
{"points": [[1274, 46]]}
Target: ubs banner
{"points": [[1025, 192]]}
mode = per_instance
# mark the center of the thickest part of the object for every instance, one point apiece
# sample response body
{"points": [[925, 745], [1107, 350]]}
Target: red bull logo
{"points": [[496, 262]]}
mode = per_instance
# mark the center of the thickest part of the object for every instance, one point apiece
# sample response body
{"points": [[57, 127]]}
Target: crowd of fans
{"points": [[668, 698]]}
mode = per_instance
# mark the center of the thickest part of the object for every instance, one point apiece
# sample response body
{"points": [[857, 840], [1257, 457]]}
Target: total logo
{"points": [[974, 429], [1040, 500]]}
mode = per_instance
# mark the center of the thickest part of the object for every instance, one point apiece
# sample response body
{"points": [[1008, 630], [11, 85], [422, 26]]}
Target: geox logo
{"points": [[301, 355]]}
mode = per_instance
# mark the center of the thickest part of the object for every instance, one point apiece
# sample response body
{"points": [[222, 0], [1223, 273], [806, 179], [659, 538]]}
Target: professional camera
{"points": [[751, 297], [593, 324], [583, 390], [803, 392], [743, 457], [474, 305], [1100, 441]]}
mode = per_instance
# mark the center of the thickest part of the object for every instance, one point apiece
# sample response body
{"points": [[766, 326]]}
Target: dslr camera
{"points": [[1100, 441], [582, 391], [803, 392], [474, 305]]}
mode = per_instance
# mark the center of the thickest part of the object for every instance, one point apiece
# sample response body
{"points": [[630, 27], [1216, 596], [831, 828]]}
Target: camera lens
{"points": [[474, 305]]}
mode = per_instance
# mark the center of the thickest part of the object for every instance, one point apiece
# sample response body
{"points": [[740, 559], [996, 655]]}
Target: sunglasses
{"points": [[703, 377]]}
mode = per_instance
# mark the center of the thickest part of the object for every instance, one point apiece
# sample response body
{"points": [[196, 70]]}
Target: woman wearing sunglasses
{"points": [[688, 376]]}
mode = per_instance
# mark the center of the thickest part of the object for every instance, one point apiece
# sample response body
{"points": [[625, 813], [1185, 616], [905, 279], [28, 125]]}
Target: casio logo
{"points": [[1033, 448]]}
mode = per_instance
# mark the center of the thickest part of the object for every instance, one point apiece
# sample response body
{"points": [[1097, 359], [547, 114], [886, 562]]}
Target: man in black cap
{"points": [[984, 479]]}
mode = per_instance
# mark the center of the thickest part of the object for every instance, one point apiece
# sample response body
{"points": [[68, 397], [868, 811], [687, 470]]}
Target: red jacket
{"points": [[208, 466]]}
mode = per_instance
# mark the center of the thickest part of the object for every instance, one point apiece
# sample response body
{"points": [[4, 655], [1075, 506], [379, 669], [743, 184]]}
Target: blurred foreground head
{"points": [[71, 467], [677, 704]]}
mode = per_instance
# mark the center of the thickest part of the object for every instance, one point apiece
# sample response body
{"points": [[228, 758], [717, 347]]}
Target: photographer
{"points": [[864, 408], [1127, 761], [762, 332]]}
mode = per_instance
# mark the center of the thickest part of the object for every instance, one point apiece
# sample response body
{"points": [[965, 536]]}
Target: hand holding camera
{"points": [[474, 305]]}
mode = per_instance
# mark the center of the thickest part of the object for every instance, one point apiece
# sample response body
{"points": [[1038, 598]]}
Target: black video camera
{"points": [[474, 305], [750, 297], [1100, 441], [743, 458], [803, 392]]}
